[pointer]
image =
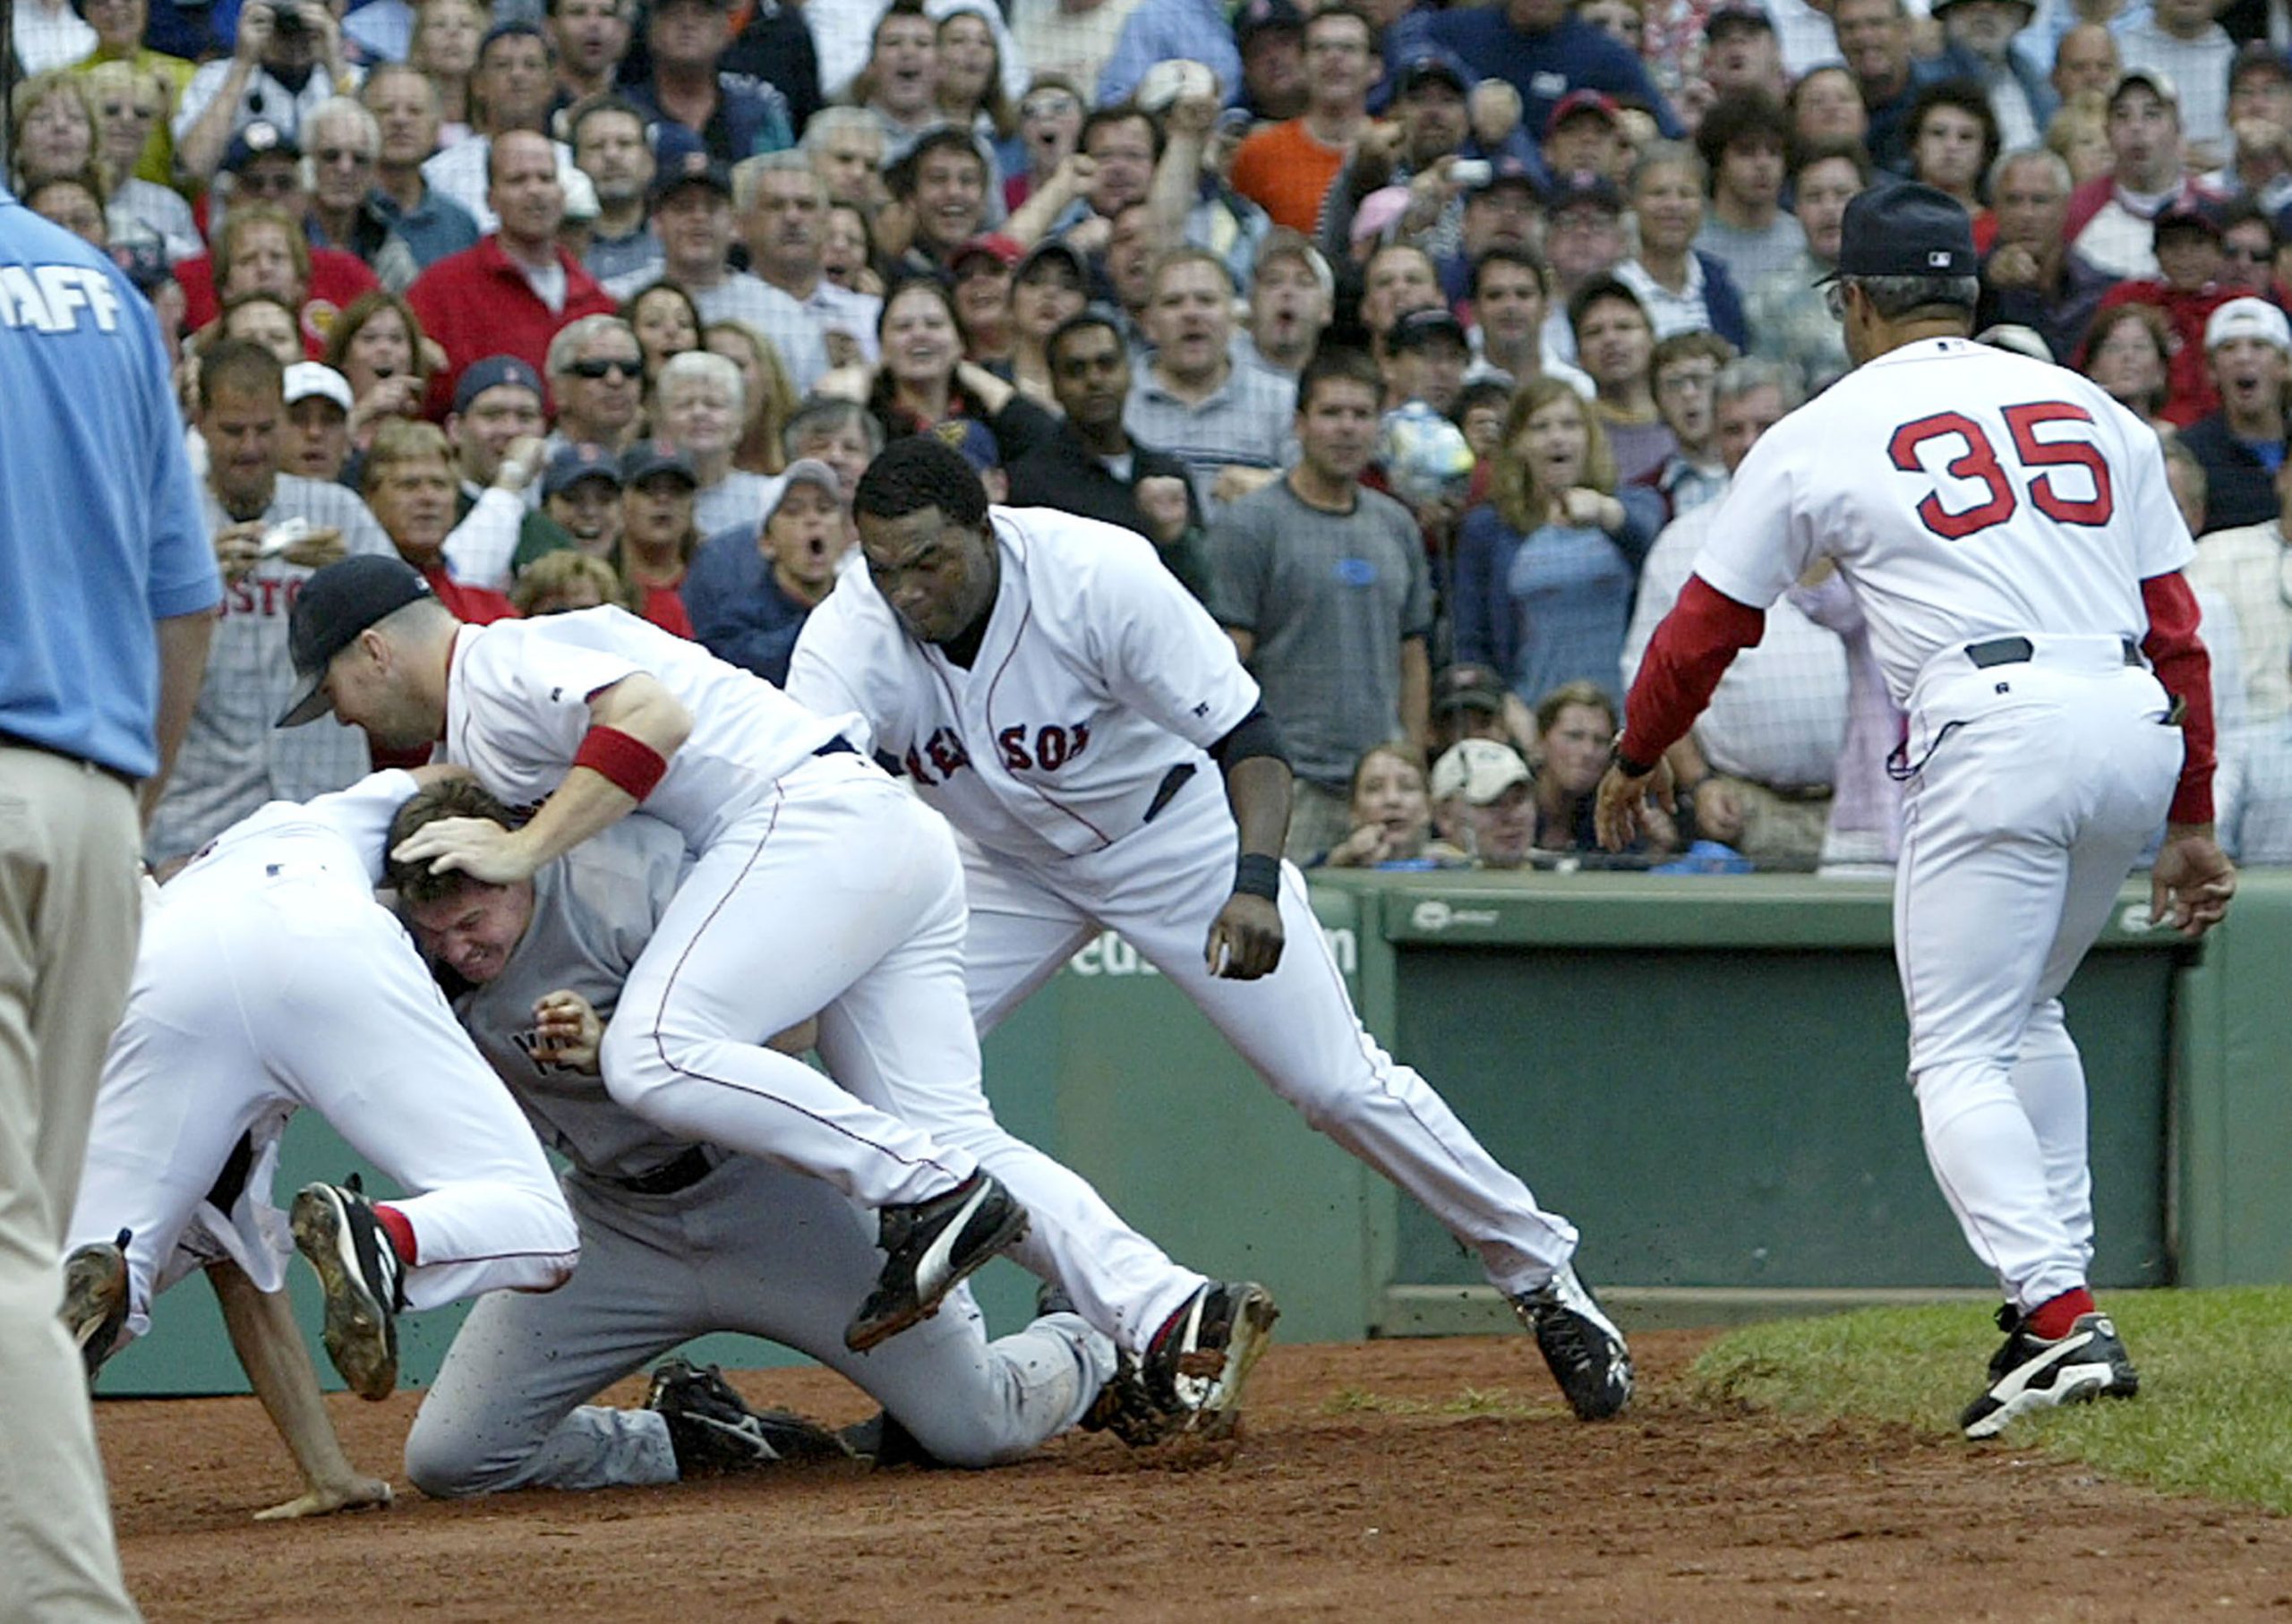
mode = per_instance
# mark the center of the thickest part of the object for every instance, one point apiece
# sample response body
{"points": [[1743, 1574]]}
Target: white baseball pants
{"points": [[2041, 783], [1161, 887], [750, 1248], [296, 989]]}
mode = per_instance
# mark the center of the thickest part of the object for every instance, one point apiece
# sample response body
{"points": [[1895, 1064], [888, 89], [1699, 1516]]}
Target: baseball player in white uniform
{"points": [[819, 887], [268, 978], [1055, 692], [2008, 532], [678, 1239]]}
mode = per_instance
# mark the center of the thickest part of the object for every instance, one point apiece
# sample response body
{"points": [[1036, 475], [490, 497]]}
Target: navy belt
{"points": [[2017, 651], [680, 1172]]}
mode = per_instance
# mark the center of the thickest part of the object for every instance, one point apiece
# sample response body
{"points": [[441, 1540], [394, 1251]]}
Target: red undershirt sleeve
{"points": [[1688, 653], [2185, 670]]}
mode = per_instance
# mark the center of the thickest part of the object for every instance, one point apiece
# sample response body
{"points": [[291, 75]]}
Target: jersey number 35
{"points": [[2083, 500]]}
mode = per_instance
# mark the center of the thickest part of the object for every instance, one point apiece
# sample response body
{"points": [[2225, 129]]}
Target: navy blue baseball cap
{"points": [[647, 457], [335, 605], [1906, 230], [492, 373], [574, 462]]}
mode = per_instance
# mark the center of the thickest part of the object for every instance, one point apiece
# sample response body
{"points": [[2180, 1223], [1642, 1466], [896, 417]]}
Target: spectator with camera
{"points": [[286, 59]]}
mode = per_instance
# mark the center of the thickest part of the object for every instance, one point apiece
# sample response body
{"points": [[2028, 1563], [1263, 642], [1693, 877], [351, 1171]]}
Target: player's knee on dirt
{"points": [[448, 1461]]}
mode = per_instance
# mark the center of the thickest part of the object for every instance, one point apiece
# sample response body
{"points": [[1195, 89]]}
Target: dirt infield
{"points": [[1391, 1480]]}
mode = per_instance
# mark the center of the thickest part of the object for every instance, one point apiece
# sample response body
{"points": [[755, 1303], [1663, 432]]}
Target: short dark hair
{"points": [[897, 8], [1339, 363], [1346, 8], [1968, 99], [1120, 112], [1806, 154], [590, 107], [901, 177], [1083, 321], [920, 471], [1739, 117], [1602, 290], [1524, 259], [239, 364], [447, 798]]}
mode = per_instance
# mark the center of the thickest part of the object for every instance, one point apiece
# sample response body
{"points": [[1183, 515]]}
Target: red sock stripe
{"points": [[2052, 1321], [401, 1232]]}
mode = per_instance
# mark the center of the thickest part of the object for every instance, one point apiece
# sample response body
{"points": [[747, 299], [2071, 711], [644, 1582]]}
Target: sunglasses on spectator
{"points": [[277, 185], [596, 370]]}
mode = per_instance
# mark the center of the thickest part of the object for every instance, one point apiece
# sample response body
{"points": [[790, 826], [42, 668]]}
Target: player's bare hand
{"points": [[2191, 885], [1620, 818], [1161, 503], [568, 1031], [316, 550], [476, 846], [352, 1493], [238, 548], [1245, 937]]}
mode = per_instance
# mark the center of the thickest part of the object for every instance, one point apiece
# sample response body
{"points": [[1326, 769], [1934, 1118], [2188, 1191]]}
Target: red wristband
{"points": [[627, 763]]}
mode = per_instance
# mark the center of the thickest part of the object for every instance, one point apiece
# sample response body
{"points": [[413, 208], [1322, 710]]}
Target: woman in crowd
{"points": [[1826, 105], [1052, 285], [2080, 134], [378, 347], [129, 103], [699, 408], [446, 38], [924, 380], [558, 583], [772, 398], [666, 322], [1050, 126], [982, 274], [52, 130], [657, 533], [1546, 571], [970, 77], [408, 480], [848, 250], [1575, 724], [1682, 290], [1391, 817], [2128, 352], [73, 202]]}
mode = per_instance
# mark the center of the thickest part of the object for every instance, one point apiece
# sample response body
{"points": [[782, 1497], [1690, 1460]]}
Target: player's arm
{"points": [[2192, 880], [1688, 653], [634, 726], [1245, 938], [270, 1349]]}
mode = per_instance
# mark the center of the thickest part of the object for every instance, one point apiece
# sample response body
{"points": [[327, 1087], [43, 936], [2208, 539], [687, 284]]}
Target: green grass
{"points": [[2214, 1417]]}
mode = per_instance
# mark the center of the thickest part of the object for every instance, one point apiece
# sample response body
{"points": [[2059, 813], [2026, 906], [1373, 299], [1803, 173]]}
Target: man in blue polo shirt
{"points": [[1545, 49], [107, 592]]}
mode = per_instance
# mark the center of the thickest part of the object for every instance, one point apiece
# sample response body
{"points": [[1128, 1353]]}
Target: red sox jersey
{"points": [[517, 704], [1099, 677], [1966, 493]]}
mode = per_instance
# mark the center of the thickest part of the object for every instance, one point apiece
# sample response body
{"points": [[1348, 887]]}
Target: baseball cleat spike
{"points": [[335, 1227]]}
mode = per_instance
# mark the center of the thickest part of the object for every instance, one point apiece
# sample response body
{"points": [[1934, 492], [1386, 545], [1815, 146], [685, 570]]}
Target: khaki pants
{"points": [[68, 915], [1319, 819]]}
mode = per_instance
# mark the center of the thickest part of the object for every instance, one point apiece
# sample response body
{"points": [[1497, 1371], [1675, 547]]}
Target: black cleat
{"points": [[932, 1247], [881, 1442], [2030, 1373], [95, 1300], [1196, 1366], [1587, 1353], [714, 1431], [335, 1227]]}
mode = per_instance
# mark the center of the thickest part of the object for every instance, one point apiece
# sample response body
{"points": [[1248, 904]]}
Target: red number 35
{"points": [[1979, 462]]}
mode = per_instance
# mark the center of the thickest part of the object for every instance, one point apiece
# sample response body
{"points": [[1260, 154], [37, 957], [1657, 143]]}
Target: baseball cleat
{"points": [[1587, 1353], [2031, 1373], [714, 1431], [932, 1246], [880, 1441], [1197, 1364], [335, 1227], [95, 1300]]}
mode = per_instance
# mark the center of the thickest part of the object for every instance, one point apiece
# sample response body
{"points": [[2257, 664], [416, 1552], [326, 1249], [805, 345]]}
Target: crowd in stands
{"points": [[1420, 342]]}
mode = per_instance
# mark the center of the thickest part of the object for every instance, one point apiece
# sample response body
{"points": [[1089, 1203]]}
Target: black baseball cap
{"points": [[2183, 215], [1421, 327], [647, 457], [1908, 230], [689, 170], [1736, 16], [335, 605], [1431, 67]]}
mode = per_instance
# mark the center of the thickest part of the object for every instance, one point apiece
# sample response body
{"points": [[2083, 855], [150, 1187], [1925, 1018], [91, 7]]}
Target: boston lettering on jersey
{"points": [[1022, 749], [260, 595], [53, 298]]}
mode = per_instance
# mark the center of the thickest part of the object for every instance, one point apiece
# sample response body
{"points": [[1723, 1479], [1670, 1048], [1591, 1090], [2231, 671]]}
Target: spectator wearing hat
{"points": [[981, 272], [1287, 169], [1424, 357], [406, 108], [658, 535], [1426, 132], [580, 494], [1585, 135], [1584, 241], [1324, 588], [2111, 217], [1682, 288], [1051, 286], [1742, 56], [2180, 39], [1471, 702], [781, 202], [734, 116], [2185, 291], [751, 587], [2248, 348], [1483, 806], [511, 90], [1543, 51], [1093, 467], [317, 435], [494, 431], [277, 71], [692, 216], [2031, 277], [1271, 37], [1978, 41], [511, 293], [1504, 210], [1744, 142], [610, 146]]}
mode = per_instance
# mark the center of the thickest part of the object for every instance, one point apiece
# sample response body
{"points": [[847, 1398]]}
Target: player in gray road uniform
{"points": [[678, 1239]]}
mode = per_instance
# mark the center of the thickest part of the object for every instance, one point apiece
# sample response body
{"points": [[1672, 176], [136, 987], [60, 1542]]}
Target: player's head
{"points": [[922, 517], [371, 643], [1906, 269], [468, 926]]}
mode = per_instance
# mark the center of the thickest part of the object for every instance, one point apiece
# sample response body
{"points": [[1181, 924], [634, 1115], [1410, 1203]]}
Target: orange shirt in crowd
{"points": [[1286, 172]]}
